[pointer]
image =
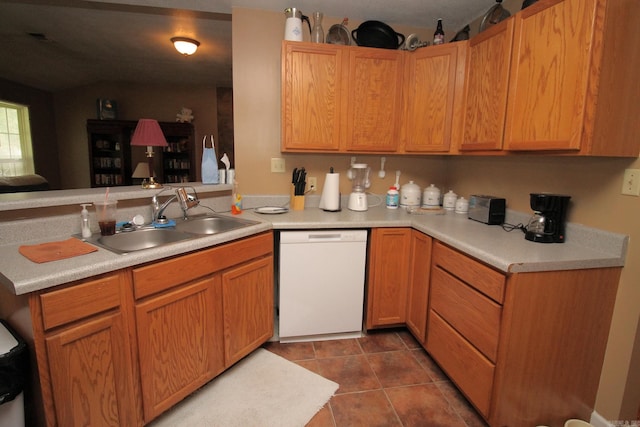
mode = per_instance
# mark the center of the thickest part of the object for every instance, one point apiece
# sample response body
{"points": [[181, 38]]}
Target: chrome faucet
{"points": [[187, 201]]}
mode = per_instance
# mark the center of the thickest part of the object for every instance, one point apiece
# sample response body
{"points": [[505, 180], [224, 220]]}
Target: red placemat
{"points": [[53, 251]]}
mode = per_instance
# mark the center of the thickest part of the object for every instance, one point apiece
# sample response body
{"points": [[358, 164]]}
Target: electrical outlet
{"points": [[312, 183], [631, 182], [277, 165]]}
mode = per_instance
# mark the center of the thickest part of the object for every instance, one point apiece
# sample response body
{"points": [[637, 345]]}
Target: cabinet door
{"points": [[433, 91], [247, 295], [549, 76], [312, 96], [91, 373], [179, 343], [374, 100], [388, 276], [418, 291], [486, 82]]}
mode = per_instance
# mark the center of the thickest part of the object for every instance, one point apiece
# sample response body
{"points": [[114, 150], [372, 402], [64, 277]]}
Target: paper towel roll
{"points": [[330, 199]]}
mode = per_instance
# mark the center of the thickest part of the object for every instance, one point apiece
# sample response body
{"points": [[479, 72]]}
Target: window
{"points": [[16, 155]]}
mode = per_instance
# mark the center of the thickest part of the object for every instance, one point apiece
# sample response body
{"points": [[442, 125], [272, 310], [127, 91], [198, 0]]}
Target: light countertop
{"points": [[506, 251]]}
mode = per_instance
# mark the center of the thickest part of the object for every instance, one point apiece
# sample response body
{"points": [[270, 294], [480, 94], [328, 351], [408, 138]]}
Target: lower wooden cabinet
{"points": [[247, 295], [83, 346], [179, 342], [120, 349], [389, 250], [418, 287]]}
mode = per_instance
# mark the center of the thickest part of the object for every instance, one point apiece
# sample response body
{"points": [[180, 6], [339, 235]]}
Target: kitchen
{"points": [[594, 184]]}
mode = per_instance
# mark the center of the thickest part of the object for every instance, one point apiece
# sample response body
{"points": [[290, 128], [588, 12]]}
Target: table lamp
{"points": [[142, 171], [149, 134]]}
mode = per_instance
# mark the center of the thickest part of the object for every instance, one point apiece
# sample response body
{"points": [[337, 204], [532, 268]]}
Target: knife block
{"points": [[296, 203]]}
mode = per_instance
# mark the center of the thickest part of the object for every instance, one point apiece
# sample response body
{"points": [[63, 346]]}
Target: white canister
{"points": [[410, 194], [393, 198], [449, 200], [462, 206], [431, 197], [293, 24]]}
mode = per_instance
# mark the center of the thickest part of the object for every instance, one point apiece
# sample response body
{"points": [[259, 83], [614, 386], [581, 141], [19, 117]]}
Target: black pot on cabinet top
{"points": [[377, 34]]}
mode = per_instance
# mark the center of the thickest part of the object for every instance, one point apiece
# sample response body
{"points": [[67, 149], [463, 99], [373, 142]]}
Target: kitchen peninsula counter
{"points": [[506, 251]]}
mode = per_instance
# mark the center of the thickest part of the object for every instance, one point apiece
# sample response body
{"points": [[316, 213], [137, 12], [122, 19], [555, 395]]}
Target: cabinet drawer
{"points": [[76, 302], [473, 315], [484, 279], [465, 365], [160, 276]]}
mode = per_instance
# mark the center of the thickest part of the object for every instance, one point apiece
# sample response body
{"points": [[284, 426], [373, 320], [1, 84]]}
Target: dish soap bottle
{"points": [[84, 223]]}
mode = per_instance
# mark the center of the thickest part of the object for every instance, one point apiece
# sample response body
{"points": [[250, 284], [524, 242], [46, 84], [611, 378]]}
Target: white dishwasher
{"points": [[321, 294]]}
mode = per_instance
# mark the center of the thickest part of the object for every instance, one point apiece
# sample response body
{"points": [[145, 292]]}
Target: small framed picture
{"points": [[107, 109]]}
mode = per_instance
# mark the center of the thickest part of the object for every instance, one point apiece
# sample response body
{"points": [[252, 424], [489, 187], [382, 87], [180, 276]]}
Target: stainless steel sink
{"points": [[137, 240], [211, 224]]}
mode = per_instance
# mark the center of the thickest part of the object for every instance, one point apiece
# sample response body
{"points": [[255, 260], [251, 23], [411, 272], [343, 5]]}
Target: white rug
{"points": [[262, 390]]}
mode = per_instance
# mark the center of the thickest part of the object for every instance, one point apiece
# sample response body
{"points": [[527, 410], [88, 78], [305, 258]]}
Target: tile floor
{"points": [[385, 378]]}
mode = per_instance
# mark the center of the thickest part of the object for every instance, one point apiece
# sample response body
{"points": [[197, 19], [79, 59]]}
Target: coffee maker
{"points": [[548, 221]]}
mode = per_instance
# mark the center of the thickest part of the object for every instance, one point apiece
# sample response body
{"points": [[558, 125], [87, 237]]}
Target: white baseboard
{"points": [[598, 420]]}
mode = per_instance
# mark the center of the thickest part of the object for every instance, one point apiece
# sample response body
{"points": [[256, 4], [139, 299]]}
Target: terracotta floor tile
{"points": [[324, 418], [423, 405], [408, 339], [398, 368], [366, 409], [311, 365], [429, 365], [461, 405], [334, 348], [352, 373], [378, 341], [292, 351]]}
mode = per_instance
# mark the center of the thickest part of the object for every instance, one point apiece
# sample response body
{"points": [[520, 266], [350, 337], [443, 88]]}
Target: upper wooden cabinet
{"points": [[487, 74], [568, 87], [365, 100], [312, 96], [374, 101], [433, 86]]}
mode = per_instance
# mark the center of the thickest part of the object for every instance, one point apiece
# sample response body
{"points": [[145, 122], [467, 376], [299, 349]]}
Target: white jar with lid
{"points": [[431, 197], [449, 200], [410, 194], [462, 206]]}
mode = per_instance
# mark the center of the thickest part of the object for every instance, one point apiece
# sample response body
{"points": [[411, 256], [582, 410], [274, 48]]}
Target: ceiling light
{"points": [[185, 46]]}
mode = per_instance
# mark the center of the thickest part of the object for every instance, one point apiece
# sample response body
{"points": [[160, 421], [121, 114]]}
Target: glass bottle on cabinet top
{"points": [[317, 33]]}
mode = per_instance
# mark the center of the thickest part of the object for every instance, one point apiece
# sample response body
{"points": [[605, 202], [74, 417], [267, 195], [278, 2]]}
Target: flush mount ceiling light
{"points": [[185, 45]]}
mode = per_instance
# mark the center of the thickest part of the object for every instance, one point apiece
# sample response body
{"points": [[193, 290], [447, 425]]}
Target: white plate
{"points": [[271, 210]]}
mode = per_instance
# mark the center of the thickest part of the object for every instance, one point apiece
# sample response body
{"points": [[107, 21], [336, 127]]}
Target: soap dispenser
{"points": [[84, 224]]}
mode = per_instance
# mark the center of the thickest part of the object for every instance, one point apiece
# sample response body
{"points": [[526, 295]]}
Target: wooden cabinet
{"points": [[525, 348], [179, 341], [110, 155], [189, 310], [433, 86], [82, 335], [418, 286], [486, 85], [374, 100], [313, 91], [389, 250], [247, 295], [560, 86], [340, 99]]}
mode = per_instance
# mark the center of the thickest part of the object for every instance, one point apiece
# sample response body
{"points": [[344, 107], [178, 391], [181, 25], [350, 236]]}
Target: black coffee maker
{"points": [[548, 220]]}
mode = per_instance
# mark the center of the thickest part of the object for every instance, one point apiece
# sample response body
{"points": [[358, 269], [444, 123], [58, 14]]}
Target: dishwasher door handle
{"points": [[334, 237]]}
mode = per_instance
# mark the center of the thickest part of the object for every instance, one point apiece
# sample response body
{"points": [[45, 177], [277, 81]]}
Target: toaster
{"points": [[487, 209]]}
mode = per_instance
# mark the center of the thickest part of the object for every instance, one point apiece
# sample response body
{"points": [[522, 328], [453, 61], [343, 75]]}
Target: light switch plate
{"points": [[277, 165], [631, 182]]}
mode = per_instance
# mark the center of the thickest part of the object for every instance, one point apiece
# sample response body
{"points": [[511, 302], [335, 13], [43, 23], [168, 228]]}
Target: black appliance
{"points": [[548, 221]]}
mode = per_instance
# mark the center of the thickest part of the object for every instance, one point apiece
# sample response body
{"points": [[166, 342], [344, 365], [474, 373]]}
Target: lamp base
{"points": [[151, 183]]}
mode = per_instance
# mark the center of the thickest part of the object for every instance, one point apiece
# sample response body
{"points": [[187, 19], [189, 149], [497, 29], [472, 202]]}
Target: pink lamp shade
{"points": [[148, 133]]}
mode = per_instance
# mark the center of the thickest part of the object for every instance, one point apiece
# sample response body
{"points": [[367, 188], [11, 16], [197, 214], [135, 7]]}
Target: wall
{"points": [[73, 108], [593, 183]]}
